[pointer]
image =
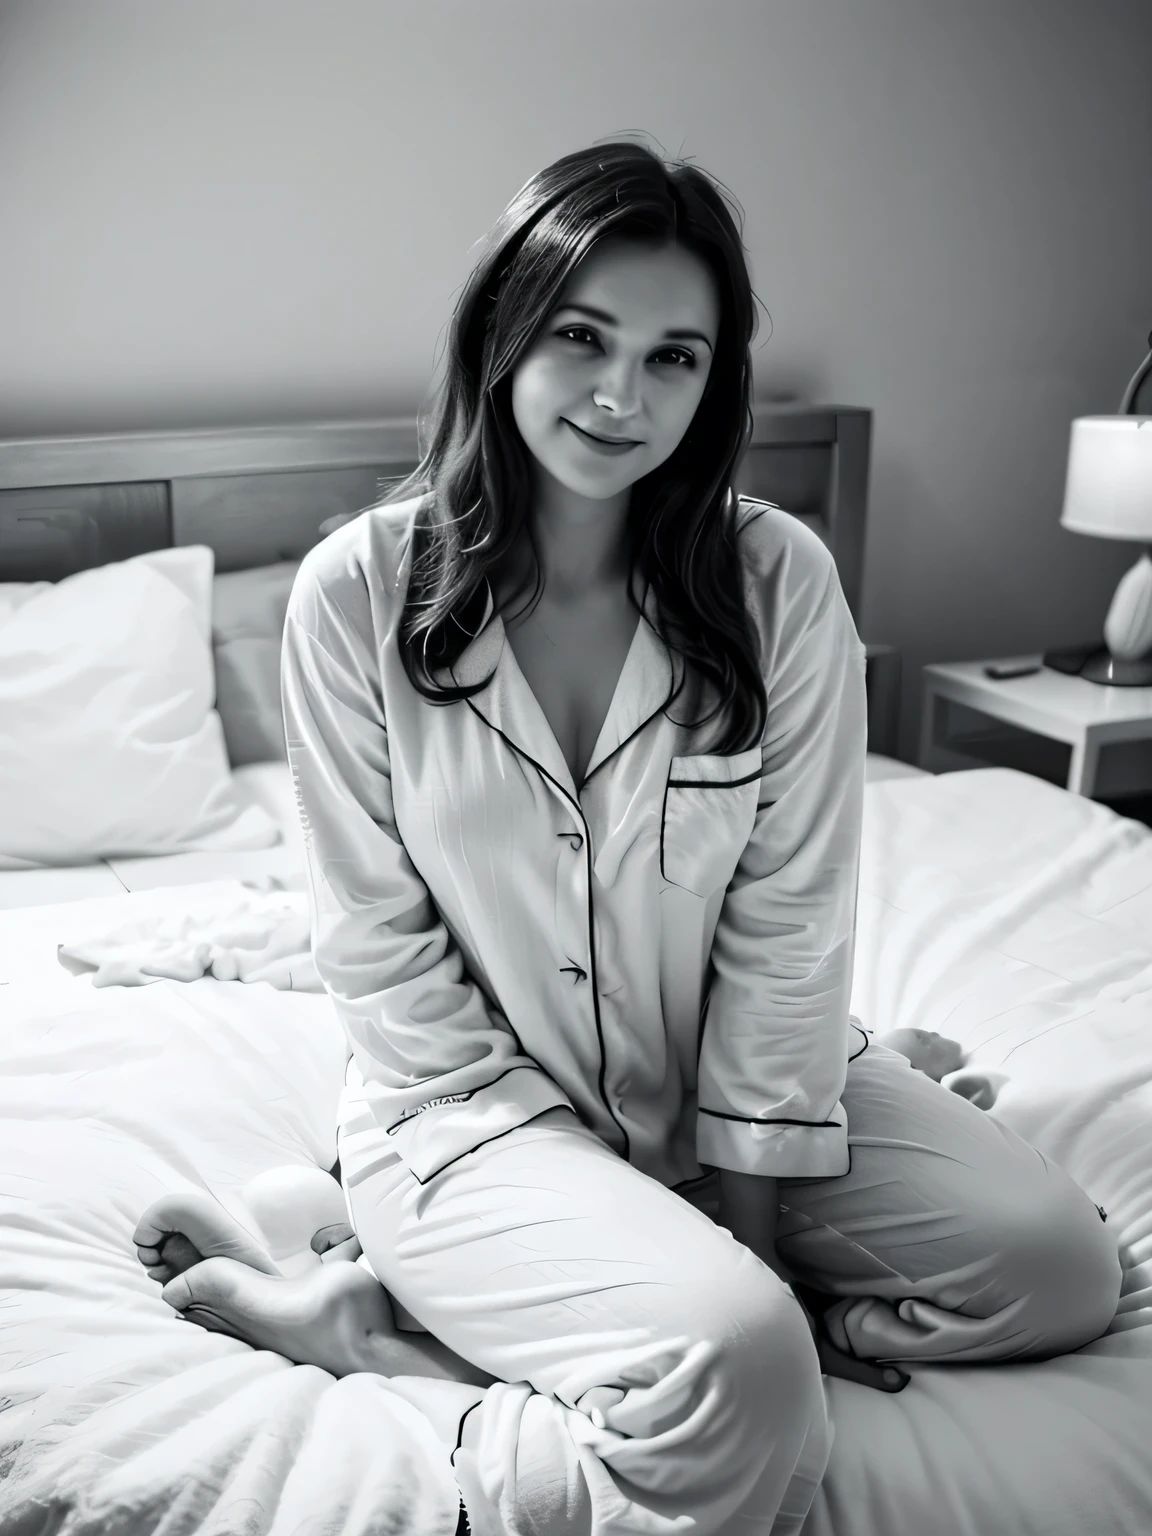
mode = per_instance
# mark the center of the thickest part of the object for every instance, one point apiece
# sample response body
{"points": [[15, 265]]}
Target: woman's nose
{"points": [[618, 388]]}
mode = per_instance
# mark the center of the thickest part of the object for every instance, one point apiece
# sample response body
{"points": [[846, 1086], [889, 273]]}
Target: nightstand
{"points": [[1094, 739]]}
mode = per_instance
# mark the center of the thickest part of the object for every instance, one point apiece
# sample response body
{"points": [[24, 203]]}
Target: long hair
{"points": [[475, 474]]}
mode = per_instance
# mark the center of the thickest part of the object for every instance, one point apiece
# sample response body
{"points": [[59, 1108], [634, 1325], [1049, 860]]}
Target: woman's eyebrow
{"points": [[607, 319]]}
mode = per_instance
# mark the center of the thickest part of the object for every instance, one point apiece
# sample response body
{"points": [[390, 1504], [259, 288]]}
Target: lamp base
{"points": [[1096, 664]]}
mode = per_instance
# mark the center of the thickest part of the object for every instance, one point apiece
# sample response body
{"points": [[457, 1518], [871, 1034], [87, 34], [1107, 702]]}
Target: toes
{"points": [[204, 1225], [177, 1293], [227, 1289], [343, 1253], [331, 1237], [169, 1214], [177, 1254], [211, 1283], [170, 1257], [154, 1266]]}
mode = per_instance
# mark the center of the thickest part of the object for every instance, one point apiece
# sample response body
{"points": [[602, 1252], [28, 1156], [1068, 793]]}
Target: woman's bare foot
{"points": [[337, 1316], [182, 1229], [216, 1274], [186, 1227]]}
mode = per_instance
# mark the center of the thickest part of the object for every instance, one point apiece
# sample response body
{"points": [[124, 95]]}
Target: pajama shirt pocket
{"points": [[708, 816]]}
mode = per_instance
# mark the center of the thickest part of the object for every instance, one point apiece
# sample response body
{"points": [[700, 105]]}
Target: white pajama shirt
{"points": [[666, 948]]}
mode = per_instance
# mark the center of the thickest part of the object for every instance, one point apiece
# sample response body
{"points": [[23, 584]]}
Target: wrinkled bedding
{"points": [[993, 907], [116, 1413], [258, 936]]}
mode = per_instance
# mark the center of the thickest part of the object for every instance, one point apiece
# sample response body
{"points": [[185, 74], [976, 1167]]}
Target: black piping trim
{"points": [[760, 506], [601, 1080], [677, 690], [678, 685], [701, 784], [717, 783], [819, 1124], [719, 1114], [437, 1171], [460, 1428], [456, 1098], [464, 1523], [663, 824], [591, 925], [701, 1178]]}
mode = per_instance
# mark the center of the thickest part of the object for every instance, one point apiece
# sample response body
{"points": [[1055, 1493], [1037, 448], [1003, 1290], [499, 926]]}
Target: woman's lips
{"points": [[596, 444]]}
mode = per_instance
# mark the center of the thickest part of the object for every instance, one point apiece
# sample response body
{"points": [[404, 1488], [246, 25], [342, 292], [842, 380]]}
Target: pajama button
{"points": [[575, 840], [580, 973]]}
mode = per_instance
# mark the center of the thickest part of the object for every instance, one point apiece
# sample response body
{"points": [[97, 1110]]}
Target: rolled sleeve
{"points": [[776, 1037], [434, 1065]]}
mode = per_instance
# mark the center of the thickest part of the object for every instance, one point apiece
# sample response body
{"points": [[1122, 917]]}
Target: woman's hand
{"points": [[749, 1209], [834, 1362]]}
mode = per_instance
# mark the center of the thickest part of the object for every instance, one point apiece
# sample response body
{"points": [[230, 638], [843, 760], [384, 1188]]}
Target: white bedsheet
{"points": [[268, 785], [1015, 918], [115, 1412], [994, 907]]}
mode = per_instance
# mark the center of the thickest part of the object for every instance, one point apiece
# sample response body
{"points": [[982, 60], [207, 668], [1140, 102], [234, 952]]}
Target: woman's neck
{"points": [[582, 542], [576, 563]]}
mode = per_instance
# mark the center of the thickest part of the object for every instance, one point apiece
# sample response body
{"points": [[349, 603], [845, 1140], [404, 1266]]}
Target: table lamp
{"points": [[1108, 493]]}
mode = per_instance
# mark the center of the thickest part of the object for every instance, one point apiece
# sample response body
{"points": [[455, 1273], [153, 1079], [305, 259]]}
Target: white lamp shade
{"points": [[1108, 490]]}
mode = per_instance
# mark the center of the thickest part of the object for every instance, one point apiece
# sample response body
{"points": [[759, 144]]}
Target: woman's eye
{"points": [[677, 352]]}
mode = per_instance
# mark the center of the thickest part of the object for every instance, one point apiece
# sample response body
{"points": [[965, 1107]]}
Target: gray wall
{"points": [[225, 213]]}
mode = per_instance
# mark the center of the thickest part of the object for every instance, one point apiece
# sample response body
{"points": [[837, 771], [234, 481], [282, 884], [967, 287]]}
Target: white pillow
{"points": [[109, 742]]}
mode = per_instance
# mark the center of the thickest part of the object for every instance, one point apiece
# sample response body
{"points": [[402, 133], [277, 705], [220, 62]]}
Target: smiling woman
{"points": [[611, 302], [616, 390], [613, 445], [593, 960], [583, 397]]}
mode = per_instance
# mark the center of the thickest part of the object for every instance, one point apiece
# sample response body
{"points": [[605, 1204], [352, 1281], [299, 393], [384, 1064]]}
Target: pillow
{"points": [[248, 613], [109, 744]]}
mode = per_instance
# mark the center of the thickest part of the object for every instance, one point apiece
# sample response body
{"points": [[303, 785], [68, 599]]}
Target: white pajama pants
{"points": [[656, 1377]]}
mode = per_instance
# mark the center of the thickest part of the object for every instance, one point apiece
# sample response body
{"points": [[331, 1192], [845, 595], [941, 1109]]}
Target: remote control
{"points": [[1000, 673]]}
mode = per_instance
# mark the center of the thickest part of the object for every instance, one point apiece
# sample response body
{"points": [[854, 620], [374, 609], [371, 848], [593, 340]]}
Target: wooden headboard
{"points": [[258, 495], [254, 495]]}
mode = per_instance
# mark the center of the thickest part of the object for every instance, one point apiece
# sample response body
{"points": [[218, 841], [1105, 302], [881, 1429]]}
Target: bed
{"points": [[994, 907]]}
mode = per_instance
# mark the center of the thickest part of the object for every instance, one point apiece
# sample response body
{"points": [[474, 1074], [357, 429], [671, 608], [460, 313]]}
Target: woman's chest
{"points": [[572, 661]]}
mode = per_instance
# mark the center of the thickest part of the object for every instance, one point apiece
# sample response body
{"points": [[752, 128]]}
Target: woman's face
{"points": [[625, 353]]}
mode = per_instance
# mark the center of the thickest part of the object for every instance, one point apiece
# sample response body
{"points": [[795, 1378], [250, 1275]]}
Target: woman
{"points": [[594, 958]]}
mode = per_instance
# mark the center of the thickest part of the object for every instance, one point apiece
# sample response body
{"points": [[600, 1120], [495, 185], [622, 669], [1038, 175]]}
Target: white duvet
{"points": [[1002, 911]]}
